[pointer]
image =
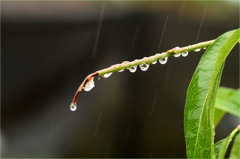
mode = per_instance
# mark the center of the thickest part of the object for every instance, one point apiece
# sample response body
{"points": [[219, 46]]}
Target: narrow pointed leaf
{"points": [[228, 100], [199, 108], [221, 146], [235, 151]]}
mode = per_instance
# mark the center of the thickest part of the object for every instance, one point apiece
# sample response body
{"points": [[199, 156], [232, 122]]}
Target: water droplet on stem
{"points": [[121, 70], [144, 66], [89, 85], [177, 48], [73, 107], [154, 62], [197, 50], [163, 61], [177, 55], [107, 75], [185, 54], [132, 69], [125, 62]]}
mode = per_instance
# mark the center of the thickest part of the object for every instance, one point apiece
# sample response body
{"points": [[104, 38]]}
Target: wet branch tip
{"points": [[132, 66]]}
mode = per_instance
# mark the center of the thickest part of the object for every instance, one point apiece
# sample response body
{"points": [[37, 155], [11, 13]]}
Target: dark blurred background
{"points": [[48, 48]]}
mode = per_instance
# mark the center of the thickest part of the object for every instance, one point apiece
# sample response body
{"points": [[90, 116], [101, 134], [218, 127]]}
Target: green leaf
{"points": [[200, 103], [228, 100], [235, 152], [218, 116], [221, 146]]}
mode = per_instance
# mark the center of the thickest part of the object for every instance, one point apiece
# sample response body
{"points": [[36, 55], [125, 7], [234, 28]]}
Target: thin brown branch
{"points": [[88, 78]]}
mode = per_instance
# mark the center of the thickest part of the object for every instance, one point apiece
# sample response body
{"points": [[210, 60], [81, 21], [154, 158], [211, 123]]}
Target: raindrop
{"points": [[125, 62], [121, 70], [154, 62], [107, 75], [205, 48], [133, 69], [177, 55], [89, 85], [197, 50], [185, 54], [73, 107], [163, 61], [144, 66], [177, 48]]}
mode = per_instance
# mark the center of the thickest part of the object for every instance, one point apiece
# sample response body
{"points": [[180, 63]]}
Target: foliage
{"points": [[227, 100], [222, 145], [201, 96], [235, 152]]}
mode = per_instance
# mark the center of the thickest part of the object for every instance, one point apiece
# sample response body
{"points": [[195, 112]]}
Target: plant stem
{"points": [[156, 57], [148, 60]]}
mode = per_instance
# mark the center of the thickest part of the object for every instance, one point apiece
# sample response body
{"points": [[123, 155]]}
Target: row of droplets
{"points": [[185, 53], [144, 67]]}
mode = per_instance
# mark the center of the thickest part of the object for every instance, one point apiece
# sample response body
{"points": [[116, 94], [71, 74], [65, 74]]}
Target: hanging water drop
{"points": [[107, 75], [121, 70], [177, 55], [133, 69], [89, 85], [205, 48], [154, 62], [185, 54], [73, 107], [144, 66], [163, 61], [197, 50]]}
